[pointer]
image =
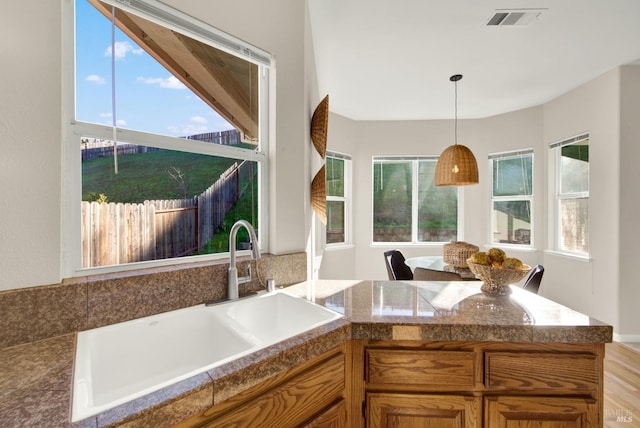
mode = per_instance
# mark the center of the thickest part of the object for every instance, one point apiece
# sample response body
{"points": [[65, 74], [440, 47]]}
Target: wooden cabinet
{"points": [[335, 416], [541, 412], [417, 367], [479, 384], [293, 402], [422, 411], [310, 395]]}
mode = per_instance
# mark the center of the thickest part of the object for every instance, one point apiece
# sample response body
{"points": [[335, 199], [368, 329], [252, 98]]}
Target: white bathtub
{"points": [[118, 363]]}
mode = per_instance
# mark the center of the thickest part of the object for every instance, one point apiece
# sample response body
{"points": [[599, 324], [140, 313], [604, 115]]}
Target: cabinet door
{"points": [[541, 412], [334, 417], [293, 402], [422, 411]]}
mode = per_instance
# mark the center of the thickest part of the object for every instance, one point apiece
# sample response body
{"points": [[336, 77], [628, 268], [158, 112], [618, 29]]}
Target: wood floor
{"points": [[621, 386]]}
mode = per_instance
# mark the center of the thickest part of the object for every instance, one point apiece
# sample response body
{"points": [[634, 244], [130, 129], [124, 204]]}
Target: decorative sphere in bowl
{"points": [[496, 280]]}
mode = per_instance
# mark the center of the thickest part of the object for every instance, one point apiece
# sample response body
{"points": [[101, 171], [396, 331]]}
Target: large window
{"points": [[338, 173], [166, 135], [512, 197], [572, 195], [407, 206]]}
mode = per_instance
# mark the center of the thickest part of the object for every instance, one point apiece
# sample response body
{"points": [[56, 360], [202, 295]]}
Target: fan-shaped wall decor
{"points": [[319, 126], [319, 195]]}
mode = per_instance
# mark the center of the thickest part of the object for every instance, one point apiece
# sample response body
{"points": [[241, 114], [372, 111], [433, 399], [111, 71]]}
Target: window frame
{"points": [[556, 151], [530, 198], [415, 161], [73, 130], [346, 198]]}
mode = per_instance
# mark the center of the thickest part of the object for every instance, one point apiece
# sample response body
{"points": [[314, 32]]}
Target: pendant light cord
{"points": [[456, 112], [455, 79]]}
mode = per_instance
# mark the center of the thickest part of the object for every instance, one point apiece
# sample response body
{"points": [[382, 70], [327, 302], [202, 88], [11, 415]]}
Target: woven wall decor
{"points": [[319, 195], [319, 126]]}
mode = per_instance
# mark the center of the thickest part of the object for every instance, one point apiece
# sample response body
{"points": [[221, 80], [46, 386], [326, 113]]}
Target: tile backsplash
{"points": [[31, 314]]}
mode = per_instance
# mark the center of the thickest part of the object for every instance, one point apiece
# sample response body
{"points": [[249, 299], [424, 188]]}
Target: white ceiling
{"points": [[391, 60]]}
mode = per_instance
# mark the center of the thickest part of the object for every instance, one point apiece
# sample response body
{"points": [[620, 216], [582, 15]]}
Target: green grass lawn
{"points": [[146, 176]]}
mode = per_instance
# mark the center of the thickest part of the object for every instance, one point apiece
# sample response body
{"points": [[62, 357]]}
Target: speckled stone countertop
{"points": [[415, 310], [36, 378]]}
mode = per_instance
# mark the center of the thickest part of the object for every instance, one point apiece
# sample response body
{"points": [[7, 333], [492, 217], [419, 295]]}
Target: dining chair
{"points": [[396, 268], [423, 274], [533, 279]]}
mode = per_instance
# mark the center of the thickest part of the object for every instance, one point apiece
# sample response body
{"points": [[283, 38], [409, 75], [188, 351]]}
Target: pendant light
{"points": [[456, 165]]}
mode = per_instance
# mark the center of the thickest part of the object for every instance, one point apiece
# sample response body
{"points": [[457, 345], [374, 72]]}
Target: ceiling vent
{"points": [[514, 18]]}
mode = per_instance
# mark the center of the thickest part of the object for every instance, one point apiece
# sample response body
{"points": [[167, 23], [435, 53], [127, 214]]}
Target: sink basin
{"points": [[118, 363], [271, 316]]}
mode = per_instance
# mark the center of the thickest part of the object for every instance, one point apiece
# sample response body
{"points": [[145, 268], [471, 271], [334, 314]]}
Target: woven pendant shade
{"points": [[456, 167], [319, 195], [319, 126]]}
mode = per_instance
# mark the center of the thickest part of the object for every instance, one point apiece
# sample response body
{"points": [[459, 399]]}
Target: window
{"points": [[512, 197], [170, 117], [572, 195], [338, 170], [407, 206]]}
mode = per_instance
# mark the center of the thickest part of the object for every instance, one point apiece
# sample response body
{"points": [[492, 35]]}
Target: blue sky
{"points": [[148, 97]]}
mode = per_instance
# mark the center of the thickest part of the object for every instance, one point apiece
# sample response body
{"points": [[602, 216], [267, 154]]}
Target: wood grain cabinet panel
{"points": [[420, 367], [541, 412], [335, 416], [548, 371], [293, 402], [385, 410]]}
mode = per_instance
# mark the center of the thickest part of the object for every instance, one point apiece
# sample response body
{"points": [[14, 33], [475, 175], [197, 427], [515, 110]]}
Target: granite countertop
{"points": [[36, 378], [439, 310]]}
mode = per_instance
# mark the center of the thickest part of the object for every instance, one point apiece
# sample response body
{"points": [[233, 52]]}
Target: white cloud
{"points": [[121, 122], [196, 125], [199, 120], [106, 114], [94, 78], [170, 82], [122, 49]]}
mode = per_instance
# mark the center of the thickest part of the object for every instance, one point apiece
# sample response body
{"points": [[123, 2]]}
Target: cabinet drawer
{"points": [[527, 371], [433, 368]]}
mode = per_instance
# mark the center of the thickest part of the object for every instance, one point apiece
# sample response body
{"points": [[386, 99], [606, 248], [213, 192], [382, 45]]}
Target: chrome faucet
{"points": [[255, 254]]}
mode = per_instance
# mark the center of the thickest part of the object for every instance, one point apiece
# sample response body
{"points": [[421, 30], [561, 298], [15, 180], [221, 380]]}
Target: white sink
{"points": [[120, 362], [275, 315]]}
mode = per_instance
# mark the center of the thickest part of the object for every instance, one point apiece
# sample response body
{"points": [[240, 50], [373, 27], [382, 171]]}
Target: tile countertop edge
{"points": [[304, 346]]}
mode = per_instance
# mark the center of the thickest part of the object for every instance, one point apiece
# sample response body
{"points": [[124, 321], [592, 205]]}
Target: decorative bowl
{"points": [[496, 280]]}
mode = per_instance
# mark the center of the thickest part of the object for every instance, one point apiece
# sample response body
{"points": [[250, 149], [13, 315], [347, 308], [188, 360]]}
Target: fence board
{"points": [[124, 233]]}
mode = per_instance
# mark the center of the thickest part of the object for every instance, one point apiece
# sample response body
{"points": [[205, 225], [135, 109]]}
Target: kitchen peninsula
{"points": [[404, 352]]}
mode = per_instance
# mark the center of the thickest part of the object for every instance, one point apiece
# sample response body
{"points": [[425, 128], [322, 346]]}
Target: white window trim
{"points": [[347, 199], [531, 199], [414, 204], [73, 131], [558, 196]]}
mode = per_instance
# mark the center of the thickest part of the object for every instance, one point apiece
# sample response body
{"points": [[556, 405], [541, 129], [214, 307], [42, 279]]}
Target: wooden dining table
{"points": [[437, 263]]}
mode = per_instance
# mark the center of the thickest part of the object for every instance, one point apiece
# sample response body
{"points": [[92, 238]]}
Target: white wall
{"points": [[591, 286], [629, 297], [340, 262], [30, 127]]}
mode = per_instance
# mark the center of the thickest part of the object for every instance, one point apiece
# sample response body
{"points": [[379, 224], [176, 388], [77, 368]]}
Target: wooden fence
{"points": [[115, 233], [88, 153]]}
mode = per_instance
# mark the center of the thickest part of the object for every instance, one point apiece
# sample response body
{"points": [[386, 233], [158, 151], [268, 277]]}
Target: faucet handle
{"points": [[243, 279]]}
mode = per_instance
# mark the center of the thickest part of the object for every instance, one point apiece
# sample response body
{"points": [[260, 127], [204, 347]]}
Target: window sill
{"points": [[407, 244], [576, 257], [338, 247], [512, 247]]}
